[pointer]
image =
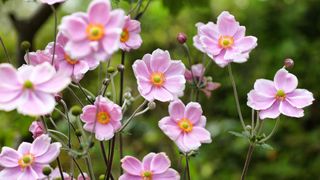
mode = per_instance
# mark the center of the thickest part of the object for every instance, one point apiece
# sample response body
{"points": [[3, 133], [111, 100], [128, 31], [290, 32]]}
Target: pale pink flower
{"points": [[224, 42], [97, 31], [75, 68], [130, 36], [153, 167], [279, 96], [51, 2], [38, 57], [185, 125], [37, 128], [86, 177], [28, 161], [30, 89], [103, 118], [159, 77], [197, 74]]}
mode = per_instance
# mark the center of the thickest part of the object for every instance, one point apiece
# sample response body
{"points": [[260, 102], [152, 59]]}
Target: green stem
{"points": [[247, 162], [55, 32], [5, 51], [272, 132], [187, 167], [133, 115]]}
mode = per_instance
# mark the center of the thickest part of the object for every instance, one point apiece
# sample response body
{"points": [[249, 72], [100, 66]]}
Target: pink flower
{"points": [[130, 36], [75, 68], [279, 96], [97, 31], [153, 167], [159, 77], [185, 126], [51, 2], [102, 118], [38, 57], [27, 162], [30, 89], [37, 128], [205, 84], [225, 41], [80, 177]]}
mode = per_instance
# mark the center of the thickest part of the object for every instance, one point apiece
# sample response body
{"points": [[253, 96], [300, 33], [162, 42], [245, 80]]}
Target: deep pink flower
{"points": [[159, 77], [97, 31], [225, 41], [103, 118], [51, 2], [37, 128], [130, 36], [153, 167], [206, 86], [75, 68], [28, 161], [38, 57], [279, 96], [30, 89], [185, 125]]}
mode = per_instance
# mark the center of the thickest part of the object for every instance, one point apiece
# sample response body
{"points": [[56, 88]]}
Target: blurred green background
{"points": [[284, 28]]}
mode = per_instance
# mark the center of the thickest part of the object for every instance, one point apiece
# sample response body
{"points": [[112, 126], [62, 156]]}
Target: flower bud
{"points": [[248, 128], [78, 133], [76, 110], [25, 45], [182, 38], [120, 67], [127, 95], [58, 97], [152, 105], [209, 79], [288, 63], [46, 170], [102, 177], [106, 81], [111, 69]]}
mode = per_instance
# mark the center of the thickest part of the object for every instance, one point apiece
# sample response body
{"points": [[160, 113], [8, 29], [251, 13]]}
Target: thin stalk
{"points": [[55, 32], [132, 116], [252, 121], [69, 122], [236, 96], [104, 155], [60, 168], [187, 167], [123, 56], [84, 93], [272, 132], [75, 95], [108, 172], [5, 51], [89, 166], [247, 162], [80, 170]]}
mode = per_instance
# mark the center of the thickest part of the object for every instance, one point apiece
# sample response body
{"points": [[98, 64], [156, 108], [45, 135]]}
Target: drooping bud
{"points": [[58, 97], [46, 170], [181, 37], [106, 81], [152, 105], [288, 63], [76, 110], [120, 67], [25, 45], [78, 133]]}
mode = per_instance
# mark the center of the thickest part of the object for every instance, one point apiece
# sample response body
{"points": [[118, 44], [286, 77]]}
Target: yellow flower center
{"points": [[226, 41], [124, 36], [26, 160], [95, 32], [185, 125], [157, 78], [147, 175], [28, 84], [70, 60], [281, 95], [103, 118]]}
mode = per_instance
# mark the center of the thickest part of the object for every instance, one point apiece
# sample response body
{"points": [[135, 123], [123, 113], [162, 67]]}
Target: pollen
{"points": [[157, 79], [70, 60], [95, 32], [146, 175], [26, 160], [103, 117], [226, 42], [28, 84], [281, 95], [185, 125], [124, 36]]}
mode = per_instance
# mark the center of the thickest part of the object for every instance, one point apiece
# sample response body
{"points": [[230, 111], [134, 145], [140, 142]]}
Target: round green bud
{"points": [[76, 110], [108, 94], [25, 45], [46, 170], [102, 177], [152, 105], [111, 69], [78, 132]]}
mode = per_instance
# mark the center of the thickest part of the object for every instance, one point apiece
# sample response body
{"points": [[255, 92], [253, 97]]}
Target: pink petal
{"points": [[9, 157], [131, 165], [175, 84], [285, 81], [227, 24], [104, 132], [201, 134], [89, 113], [78, 49], [110, 41], [126, 176], [24, 148], [160, 163], [116, 19], [175, 68], [161, 94], [40, 145], [246, 43], [170, 128], [160, 60], [74, 28], [140, 69], [193, 112], [8, 76], [272, 112], [147, 161], [202, 122], [79, 70], [10, 173], [287, 109], [134, 26], [134, 41], [27, 174], [50, 155], [197, 43], [42, 73], [169, 174], [220, 60], [176, 110], [56, 84], [189, 143], [144, 86], [240, 33], [211, 46], [300, 98], [210, 30], [265, 87], [259, 101], [99, 12], [65, 67]]}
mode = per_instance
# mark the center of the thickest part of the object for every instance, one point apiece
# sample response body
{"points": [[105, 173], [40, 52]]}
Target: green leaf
{"points": [[237, 134], [266, 146]]}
